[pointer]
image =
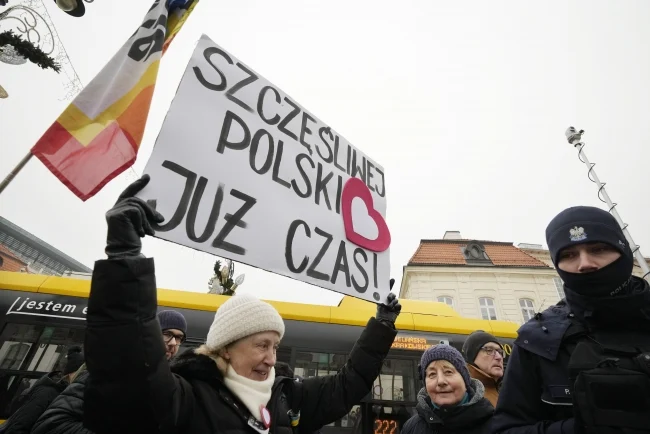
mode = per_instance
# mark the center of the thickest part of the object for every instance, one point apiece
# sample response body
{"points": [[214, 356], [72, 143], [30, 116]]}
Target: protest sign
{"points": [[241, 170]]}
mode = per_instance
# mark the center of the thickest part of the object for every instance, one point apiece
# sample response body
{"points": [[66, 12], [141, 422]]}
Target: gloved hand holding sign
{"points": [[387, 313], [129, 220]]}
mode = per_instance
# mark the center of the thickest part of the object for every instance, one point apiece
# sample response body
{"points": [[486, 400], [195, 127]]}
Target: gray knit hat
{"points": [[170, 319], [448, 353]]}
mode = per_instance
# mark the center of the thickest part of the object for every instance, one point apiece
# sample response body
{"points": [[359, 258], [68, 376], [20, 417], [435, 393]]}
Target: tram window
{"points": [[351, 423], [318, 364], [36, 348], [396, 381], [284, 355], [15, 342], [353, 418], [310, 364], [187, 346]]}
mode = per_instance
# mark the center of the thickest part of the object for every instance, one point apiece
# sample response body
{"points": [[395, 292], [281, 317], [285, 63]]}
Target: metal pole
{"points": [[574, 137], [15, 171]]}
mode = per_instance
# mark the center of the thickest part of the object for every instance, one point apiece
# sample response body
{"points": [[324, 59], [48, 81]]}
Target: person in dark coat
{"points": [[451, 402], [283, 370], [65, 413], [578, 367], [41, 394], [484, 356], [227, 385]]}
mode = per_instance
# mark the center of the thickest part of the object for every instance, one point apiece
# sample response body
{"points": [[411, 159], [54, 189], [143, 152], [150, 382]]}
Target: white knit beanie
{"points": [[241, 316]]}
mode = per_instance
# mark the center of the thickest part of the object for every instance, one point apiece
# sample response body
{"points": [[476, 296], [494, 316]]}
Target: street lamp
{"points": [[39, 38], [75, 8], [574, 137], [28, 33]]}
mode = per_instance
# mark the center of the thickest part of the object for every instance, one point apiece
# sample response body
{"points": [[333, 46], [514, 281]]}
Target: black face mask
{"points": [[609, 281]]}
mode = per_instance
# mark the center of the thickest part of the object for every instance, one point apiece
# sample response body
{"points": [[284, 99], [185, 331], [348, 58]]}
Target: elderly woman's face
{"points": [[444, 383], [254, 356]]}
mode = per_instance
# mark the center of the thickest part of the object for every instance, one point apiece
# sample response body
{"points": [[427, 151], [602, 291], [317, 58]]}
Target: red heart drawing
{"points": [[355, 187]]}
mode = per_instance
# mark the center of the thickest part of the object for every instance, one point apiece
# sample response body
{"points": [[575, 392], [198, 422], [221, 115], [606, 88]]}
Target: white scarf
{"points": [[253, 394]]}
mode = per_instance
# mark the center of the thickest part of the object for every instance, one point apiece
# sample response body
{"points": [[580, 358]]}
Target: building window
{"points": [[527, 308], [446, 300], [559, 286], [488, 311]]}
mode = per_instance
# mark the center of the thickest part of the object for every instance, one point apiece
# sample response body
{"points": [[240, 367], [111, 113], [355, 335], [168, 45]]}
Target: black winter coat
{"points": [[471, 418], [37, 399], [65, 414], [535, 397], [131, 388]]}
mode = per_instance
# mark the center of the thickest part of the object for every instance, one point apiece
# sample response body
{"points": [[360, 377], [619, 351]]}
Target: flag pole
{"points": [[575, 138], [15, 171]]}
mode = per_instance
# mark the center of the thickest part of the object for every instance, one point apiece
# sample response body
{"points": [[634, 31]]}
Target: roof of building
{"points": [[448, 252], [22, 235]]}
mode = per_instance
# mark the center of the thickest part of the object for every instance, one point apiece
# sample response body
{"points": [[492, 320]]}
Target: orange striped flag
{"points": [[98, 136]]}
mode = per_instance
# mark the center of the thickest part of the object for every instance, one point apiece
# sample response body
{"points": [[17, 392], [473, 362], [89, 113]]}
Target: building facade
{"points": [[36, 255], [10, 262], [481, 279], [484, 279]]}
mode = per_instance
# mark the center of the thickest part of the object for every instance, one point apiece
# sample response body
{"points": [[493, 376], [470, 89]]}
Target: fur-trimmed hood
{"points": [[197, 364]]}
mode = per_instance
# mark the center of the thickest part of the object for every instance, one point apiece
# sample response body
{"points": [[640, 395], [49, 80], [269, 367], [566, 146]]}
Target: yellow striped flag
{"points": [[98, 136]]}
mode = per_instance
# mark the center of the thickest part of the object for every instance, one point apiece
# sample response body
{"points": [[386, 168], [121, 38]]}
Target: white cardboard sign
{"points": [[240, 170]]}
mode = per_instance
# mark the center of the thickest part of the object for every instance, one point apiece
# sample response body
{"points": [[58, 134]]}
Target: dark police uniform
{"points": [[583, 366]]}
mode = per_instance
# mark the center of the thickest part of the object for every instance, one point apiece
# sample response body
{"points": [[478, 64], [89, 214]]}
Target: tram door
{"points": [[393, 398]]}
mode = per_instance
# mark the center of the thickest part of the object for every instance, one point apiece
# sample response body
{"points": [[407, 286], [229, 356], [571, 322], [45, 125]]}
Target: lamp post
{"points": [[574, 137], [26, 21], [31, 21]]}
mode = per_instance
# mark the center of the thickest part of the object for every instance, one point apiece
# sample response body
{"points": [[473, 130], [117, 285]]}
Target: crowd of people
{"points": [[581, 366]]}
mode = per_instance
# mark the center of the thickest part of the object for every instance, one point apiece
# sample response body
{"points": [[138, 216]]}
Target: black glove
{"points": [[129, 220], [387, 313]]}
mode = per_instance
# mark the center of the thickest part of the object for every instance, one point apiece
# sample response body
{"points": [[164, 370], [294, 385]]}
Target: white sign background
{"points": [[287, 176]]}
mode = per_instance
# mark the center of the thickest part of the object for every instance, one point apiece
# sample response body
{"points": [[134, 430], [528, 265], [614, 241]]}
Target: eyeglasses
{"points": [[492, 351], [168, 336]]}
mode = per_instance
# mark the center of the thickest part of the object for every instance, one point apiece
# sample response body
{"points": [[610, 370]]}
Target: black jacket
{"points": [[37, 399], [65, 413], [471, 418], [130, 377], [536, 396]]}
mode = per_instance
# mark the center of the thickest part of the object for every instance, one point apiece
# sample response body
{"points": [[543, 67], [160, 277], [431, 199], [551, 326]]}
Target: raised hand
{"points": [[129, 220]]}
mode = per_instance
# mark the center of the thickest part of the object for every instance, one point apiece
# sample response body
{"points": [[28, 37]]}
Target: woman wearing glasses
{"points": [[484, 356]]}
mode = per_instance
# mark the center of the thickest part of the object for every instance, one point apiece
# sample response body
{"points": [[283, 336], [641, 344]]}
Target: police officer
{"points": [[583, 365]]}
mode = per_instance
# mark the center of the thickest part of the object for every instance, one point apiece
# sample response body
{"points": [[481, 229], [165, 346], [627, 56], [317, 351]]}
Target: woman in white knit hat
{"points": [[227, 385]]}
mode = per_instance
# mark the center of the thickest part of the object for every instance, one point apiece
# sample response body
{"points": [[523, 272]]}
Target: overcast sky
{"points": [[464, 103]]}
